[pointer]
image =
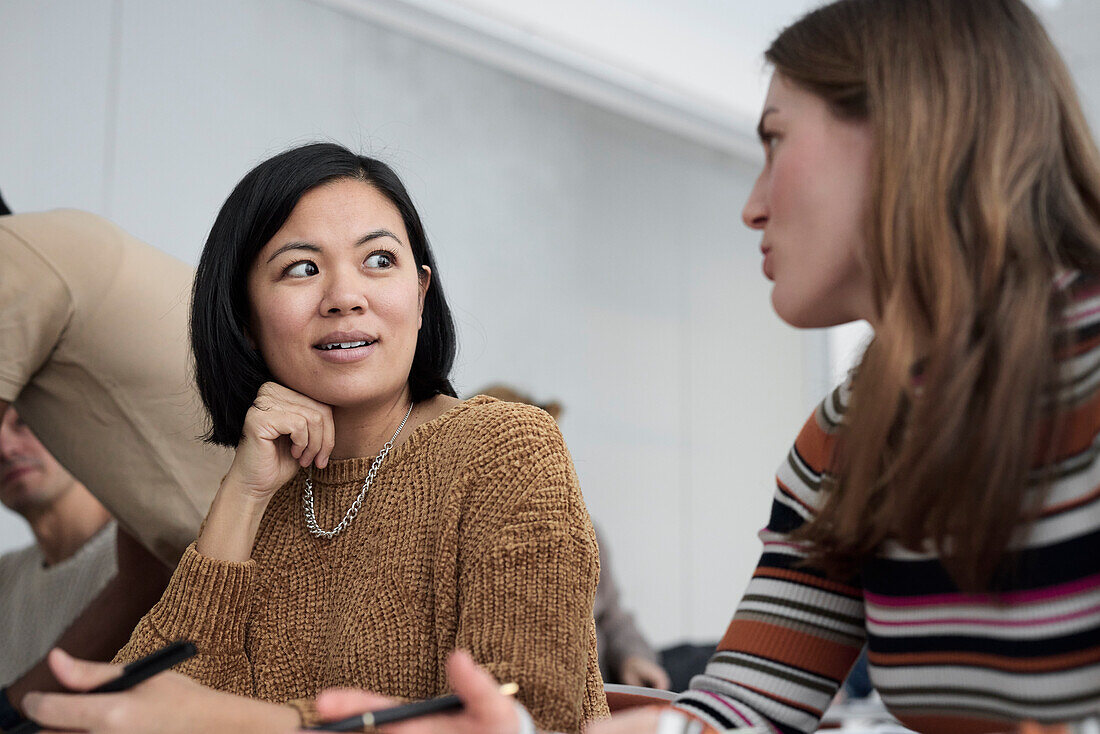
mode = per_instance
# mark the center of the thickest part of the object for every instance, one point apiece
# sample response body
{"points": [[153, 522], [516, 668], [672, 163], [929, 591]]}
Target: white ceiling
{"points": [[708, 49], [693, 67]]}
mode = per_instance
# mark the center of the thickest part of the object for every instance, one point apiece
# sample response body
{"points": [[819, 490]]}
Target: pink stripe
{"points": [[1015, 597], [991, 622], [1065, 278], [728, 705], [785, 544], [1083, 315]]}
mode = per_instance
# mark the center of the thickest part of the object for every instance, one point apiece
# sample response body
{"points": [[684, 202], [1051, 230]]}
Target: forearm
{"points": [[209, 598], [232, 523]]}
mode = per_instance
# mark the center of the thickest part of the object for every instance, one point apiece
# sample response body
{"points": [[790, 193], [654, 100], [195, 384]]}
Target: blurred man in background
{"points": [[94, 355], [44, 586]]}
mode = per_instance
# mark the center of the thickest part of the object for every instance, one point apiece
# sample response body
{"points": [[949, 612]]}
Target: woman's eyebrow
{"points": [[294, 246], [372, 235], [376, 234]]}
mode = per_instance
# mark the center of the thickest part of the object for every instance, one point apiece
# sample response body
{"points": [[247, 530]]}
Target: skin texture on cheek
{"points": [[811, 202]]}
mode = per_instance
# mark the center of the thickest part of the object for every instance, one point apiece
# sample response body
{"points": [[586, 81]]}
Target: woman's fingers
{"points": [[64, 711], [307, 423], [340, 703], [486, 710], [329, 438], [479, 692], [315, 421], [80, 675], [322, 429], [69, 712]]}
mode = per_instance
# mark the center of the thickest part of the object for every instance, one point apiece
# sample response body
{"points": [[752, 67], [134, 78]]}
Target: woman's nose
{"points": [[344, 293], [755, 212]]}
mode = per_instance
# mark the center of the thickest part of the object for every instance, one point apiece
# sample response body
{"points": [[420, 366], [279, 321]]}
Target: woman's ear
{"points": [[425, 277]]}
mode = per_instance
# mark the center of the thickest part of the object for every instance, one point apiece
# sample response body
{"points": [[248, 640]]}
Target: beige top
{"points": [[94, 353], [474, 535]]}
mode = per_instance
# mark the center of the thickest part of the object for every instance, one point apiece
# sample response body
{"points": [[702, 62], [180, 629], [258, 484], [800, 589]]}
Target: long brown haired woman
{"points": [[928, 169]]}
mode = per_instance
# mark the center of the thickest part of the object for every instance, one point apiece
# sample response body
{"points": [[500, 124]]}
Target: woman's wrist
{"points": [[262, 717], [224, 711], [232, 523]]}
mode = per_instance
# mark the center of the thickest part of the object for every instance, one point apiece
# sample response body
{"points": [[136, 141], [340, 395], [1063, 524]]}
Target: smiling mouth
{"points": [[345, 345]]}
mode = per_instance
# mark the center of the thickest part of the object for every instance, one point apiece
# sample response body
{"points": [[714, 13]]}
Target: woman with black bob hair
{"points": [[228, 368], [371, 523]]}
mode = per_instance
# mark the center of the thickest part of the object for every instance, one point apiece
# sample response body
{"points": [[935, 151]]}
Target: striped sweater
{"points": [[943, 661]]}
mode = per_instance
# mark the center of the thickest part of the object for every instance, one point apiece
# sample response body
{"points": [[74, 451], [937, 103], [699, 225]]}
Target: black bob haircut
{"points": [[228, 370]]}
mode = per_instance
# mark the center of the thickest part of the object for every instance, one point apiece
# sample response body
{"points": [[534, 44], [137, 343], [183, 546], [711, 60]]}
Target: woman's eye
{"points": [[768, 140], [302, 269], [379, 260]]}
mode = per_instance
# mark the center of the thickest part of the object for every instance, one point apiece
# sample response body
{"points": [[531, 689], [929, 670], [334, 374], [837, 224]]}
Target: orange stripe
{"points": [[789, 647], [1048, 664], [1077, 348], [805, 578], [814, 445], [1034, 727], [1077, 430]]}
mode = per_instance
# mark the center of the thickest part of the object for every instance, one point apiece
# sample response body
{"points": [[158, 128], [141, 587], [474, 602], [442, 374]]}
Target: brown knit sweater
{"points": [[473, 535]]}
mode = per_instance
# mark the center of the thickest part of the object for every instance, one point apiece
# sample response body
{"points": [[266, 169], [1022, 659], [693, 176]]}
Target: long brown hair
{"points": [[986, 185]]}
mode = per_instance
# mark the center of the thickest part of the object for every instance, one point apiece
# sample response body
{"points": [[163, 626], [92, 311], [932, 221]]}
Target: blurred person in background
{"points": [[625, 654], [93, 353], [46, 584]]}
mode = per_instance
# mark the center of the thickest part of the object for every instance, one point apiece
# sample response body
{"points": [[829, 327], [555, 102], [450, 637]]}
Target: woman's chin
{"points": [[804, 313], [338, 394]]}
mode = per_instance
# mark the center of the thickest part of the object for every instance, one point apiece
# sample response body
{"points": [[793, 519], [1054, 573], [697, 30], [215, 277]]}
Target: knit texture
{"points": [[473, 535]]}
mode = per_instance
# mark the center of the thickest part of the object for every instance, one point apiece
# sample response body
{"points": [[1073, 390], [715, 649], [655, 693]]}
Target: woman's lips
{"points": [[343, 356], [767, 264]]}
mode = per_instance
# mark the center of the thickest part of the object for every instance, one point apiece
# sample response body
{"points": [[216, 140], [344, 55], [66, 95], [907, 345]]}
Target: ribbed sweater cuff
{"points": [[307, 710], [207, 602]]}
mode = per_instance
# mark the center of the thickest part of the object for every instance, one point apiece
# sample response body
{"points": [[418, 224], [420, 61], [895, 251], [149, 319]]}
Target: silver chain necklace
{"points": [[307, 499]]}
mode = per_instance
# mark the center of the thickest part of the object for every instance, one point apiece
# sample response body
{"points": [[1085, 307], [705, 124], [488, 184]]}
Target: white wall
{"points": [[589, 258]]}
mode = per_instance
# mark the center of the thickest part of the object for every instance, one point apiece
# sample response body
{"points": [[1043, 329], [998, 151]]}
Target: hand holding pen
{"points": [[118, 678], [485, 709]]}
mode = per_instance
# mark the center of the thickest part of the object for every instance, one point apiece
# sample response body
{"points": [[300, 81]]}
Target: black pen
{"points": [[132, 674], [404, 712]]}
